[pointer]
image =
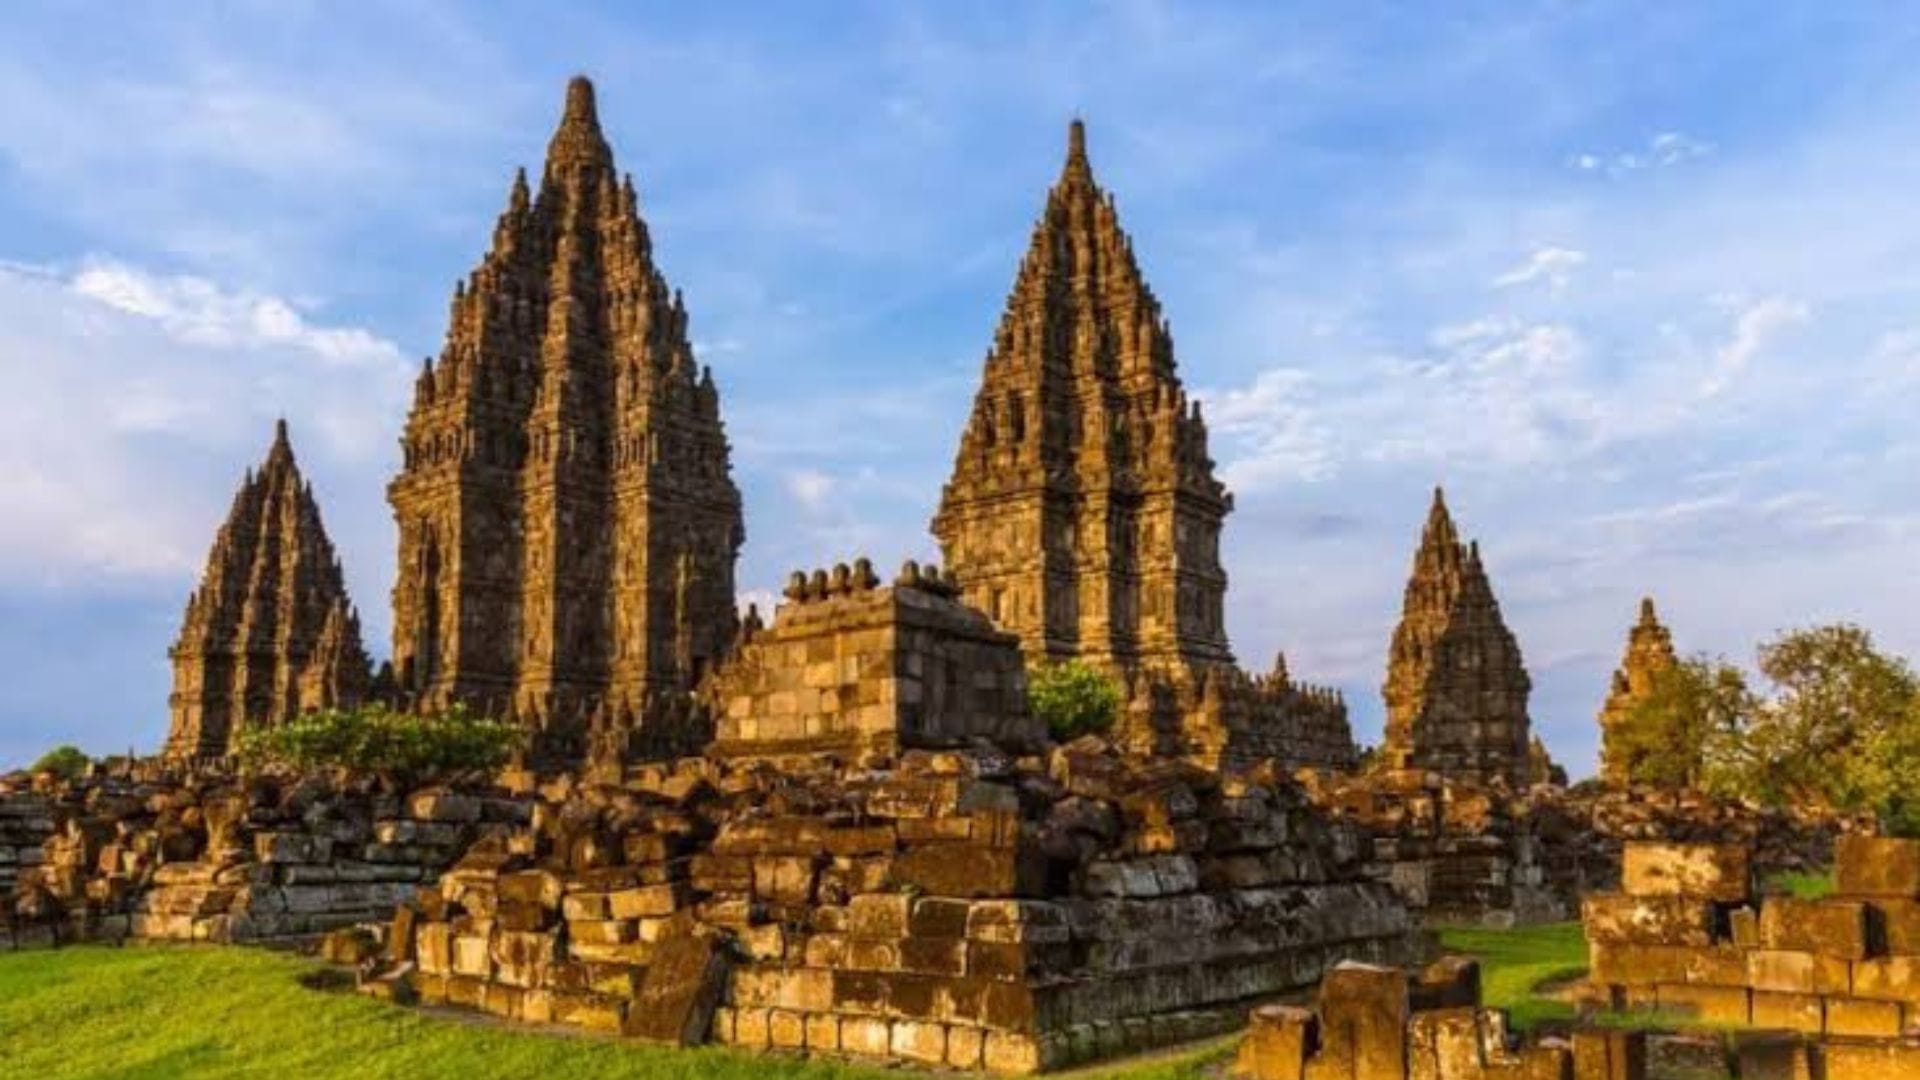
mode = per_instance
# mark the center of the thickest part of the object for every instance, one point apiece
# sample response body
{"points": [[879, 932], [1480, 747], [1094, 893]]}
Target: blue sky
{"points": [[1640, 285]]}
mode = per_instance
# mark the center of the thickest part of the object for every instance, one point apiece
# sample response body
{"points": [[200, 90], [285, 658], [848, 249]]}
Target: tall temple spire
{"points": [[1649, 654], [568, 519], [1456, 689], [269, 632], [1083, 513], [578, 140]]}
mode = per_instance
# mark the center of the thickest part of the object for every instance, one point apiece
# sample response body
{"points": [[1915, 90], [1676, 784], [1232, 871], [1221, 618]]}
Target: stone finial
{"points": [[818, 585], [863, 576], [841, 581], [796, 586], [909, 576]]}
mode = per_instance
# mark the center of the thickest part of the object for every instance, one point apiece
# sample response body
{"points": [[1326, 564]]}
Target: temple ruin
{"points": [[269, 633], [1649, 654], [568, 520], [1083, 513], [1456, 689]]}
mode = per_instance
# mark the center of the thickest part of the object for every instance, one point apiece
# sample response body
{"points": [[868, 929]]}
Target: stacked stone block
{"points": [[26, 823], [212, 858], [855, 668], [1374, 1023], [1687, 935], [965, 908]]}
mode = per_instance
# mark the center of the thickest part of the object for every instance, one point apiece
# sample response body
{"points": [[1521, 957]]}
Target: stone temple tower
{"points": [[1456, 689], [269, 633], [568, 519], [1083, 513], [1649, 654]]}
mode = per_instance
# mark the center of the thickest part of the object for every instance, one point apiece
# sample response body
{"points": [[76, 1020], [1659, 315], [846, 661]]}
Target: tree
{"points": [[1666, 737], [1841, 729], [374, 739], [1073, 698], [66, 762]]}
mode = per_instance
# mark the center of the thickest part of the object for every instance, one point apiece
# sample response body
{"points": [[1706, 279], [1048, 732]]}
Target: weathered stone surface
{"points": [[1874, 866], [1456, 688], [683, 986], [269, 632], [1278, 1042], [1083, 513], [1703, 871], [568, 524]]}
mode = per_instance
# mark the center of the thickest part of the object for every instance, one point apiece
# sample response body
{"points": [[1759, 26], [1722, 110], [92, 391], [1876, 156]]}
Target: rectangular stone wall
{"points": [[1687, 936], [852, 667]]}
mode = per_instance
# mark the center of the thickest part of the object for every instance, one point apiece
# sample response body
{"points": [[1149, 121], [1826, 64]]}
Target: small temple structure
{"points": [[269, 633], [1083, 513], [1456, 689], [1649, 653], [568, 520]]}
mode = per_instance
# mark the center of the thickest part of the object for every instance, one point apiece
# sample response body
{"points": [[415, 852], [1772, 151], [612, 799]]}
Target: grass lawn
{"points": [[1513, 962], [167, 1011], [178, 1011]]}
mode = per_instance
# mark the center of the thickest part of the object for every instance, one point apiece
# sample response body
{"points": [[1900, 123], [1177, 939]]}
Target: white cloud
{"points": [[196, 311], [810, 487], [136, 400], [1661, 150], [1755, 328], [1553, 266]]}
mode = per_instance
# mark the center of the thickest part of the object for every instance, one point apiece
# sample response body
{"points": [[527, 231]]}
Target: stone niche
{"points": [[853, 667]]}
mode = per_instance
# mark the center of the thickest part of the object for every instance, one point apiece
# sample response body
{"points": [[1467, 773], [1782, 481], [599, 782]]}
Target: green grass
{"points": [[1514, 962], [1802, 886], [173, 1011]]}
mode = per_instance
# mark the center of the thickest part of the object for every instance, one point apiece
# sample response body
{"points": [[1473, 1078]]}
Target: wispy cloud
{"points": [[1551, 266]]}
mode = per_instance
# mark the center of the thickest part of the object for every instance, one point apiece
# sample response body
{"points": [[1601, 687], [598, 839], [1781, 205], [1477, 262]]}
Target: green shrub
{"points": [[375, 739], [66, 762], [1803, 886], [1073, 699]]}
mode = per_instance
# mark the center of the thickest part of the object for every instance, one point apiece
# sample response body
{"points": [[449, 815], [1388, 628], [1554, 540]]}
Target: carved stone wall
{"points": [[269, 631], [1456, 689], [568, 521]]}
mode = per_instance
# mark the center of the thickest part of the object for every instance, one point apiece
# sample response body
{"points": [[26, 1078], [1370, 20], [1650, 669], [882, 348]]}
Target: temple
{"points": [[1649, 653], [269, 633], [567, 516], [1456, 689], [1083, 514]]}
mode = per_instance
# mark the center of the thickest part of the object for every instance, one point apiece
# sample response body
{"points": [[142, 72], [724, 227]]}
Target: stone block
{"points": [[1828, 927], [647, 901], [1647, 920], [1604, 1054], [471, 957], [1887, 978], [919, 1041], [1870, 1061], [1849, 1016], [1363, 1020], [1772, 1056], [1875, 866], [786, 1030], [1449, 982], [438, 805], [868, 1036], [1013, 1053], [542, 888], [970, 871], [1720, 872], [1898, 923], [879, 915], [1638, 965], [966, 1047], [823, 1032], [1789, 1012], [683, 986], [1278, 1041], [1708, 1004], [1795, 972]]}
